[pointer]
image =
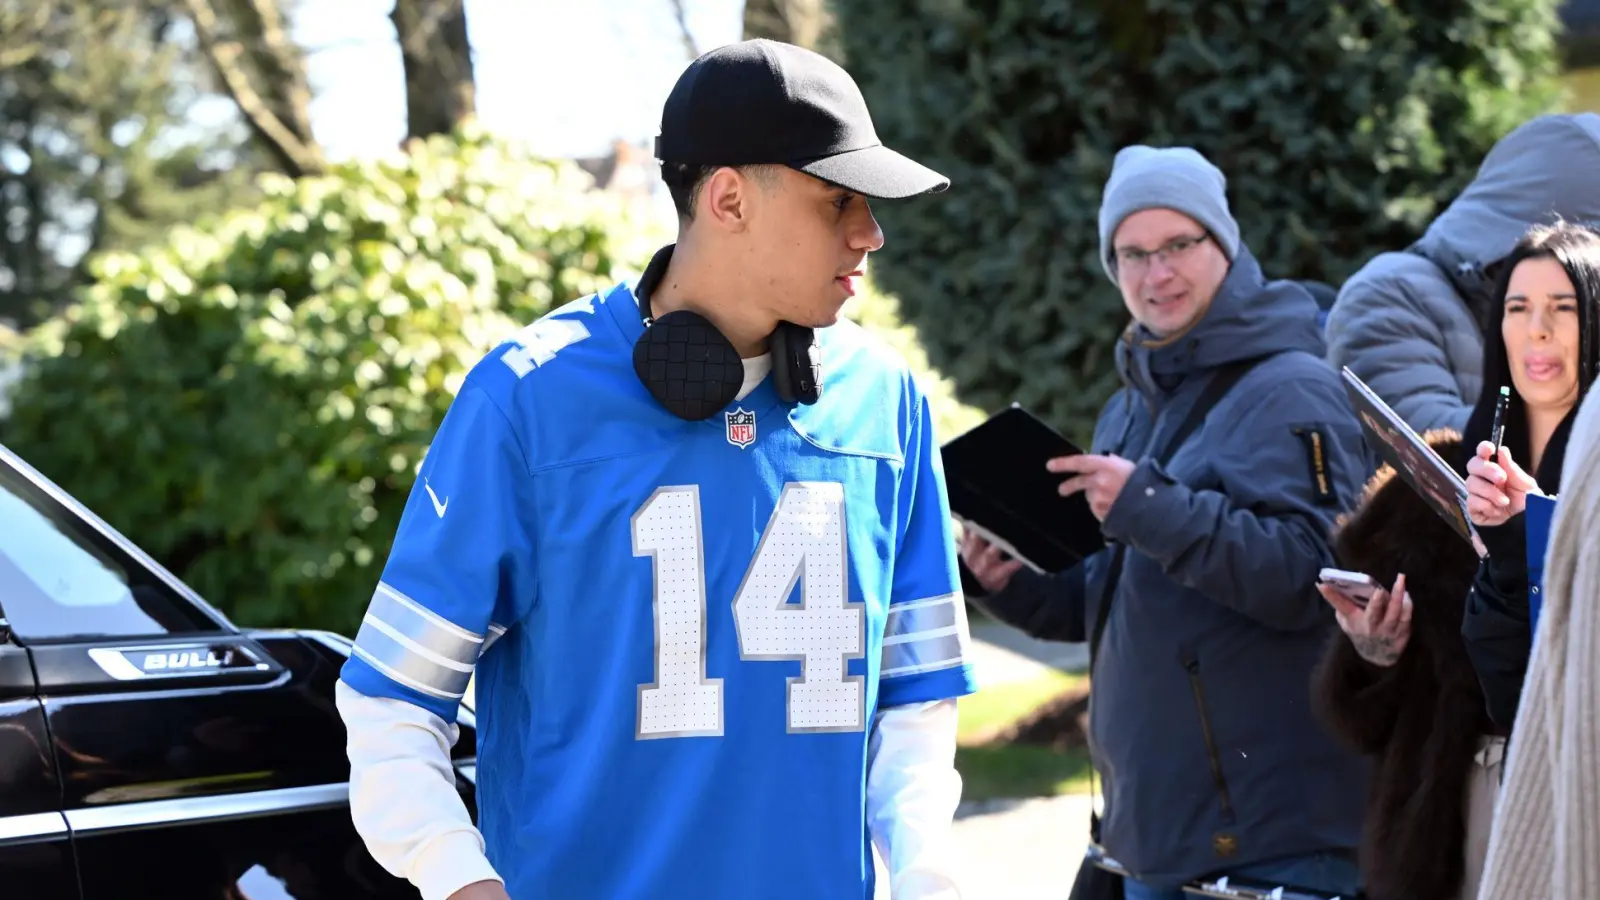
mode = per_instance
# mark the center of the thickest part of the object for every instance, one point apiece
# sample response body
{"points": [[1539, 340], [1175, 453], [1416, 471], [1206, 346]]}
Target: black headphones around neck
{"points": [[691, 367]]}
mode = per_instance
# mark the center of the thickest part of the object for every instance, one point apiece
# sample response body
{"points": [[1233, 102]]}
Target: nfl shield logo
{"points": [[741, 427]]}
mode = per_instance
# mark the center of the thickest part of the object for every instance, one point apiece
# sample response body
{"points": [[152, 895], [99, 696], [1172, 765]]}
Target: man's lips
{"points": [[848, 281]]}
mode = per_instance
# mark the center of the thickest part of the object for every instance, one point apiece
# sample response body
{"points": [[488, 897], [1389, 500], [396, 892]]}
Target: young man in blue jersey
{"points": [[713, 609]]}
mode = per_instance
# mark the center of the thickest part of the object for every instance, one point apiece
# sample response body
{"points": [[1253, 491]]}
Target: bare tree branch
{"points": [[682, 14], [285, 73], [800, 22], [299, 155]]}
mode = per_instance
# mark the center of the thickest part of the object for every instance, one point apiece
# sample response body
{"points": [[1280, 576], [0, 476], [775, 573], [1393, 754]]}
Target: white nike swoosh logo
{"points": [[437, 506]]}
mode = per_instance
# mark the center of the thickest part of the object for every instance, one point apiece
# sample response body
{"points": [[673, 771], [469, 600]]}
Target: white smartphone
{"points": [[1358, 586]]}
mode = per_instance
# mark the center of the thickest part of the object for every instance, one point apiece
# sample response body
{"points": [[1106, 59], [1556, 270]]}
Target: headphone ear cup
{"points": [[796, 363], [688, 365]]}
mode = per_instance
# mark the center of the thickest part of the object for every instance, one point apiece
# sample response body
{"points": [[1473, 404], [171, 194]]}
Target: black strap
{"points": [[1217, 388]]}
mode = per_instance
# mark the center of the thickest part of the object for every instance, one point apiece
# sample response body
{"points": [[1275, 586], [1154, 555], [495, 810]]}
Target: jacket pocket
{"points": [[1225, 844]]}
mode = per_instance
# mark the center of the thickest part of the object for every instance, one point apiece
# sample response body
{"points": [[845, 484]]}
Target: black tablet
{"points": [[998, 485]]}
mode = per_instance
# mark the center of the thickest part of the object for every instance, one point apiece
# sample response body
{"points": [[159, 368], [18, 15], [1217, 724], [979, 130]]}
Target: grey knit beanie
{"points": [[1176, 178]]}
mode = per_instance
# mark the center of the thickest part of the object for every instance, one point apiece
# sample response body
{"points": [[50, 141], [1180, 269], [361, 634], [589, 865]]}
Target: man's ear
{"points": [[726, 199]]}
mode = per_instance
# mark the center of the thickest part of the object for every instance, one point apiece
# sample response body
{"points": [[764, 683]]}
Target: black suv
{"points": [[149, 748]]}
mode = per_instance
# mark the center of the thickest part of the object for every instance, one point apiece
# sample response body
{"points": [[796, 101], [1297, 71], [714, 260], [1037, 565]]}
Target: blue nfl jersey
{"points": [[681, 630]]}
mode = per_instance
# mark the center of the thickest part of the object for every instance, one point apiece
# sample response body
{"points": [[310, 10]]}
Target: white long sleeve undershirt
{"points": [[403, 796]]}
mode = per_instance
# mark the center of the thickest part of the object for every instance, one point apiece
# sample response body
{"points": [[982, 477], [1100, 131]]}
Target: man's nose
{"points": [[865, 235], [1158, 270]]}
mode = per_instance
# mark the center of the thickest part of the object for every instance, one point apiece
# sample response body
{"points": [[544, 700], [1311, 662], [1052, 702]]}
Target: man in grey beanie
{"points": [[1174, 178], [1201, 722]]}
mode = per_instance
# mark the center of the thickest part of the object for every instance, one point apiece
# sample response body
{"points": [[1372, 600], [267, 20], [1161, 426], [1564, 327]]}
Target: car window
{"points": [[61, 579]]}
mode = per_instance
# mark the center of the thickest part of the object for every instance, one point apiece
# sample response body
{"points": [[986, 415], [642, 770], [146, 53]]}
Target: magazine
{"points": [[1412, 459]]}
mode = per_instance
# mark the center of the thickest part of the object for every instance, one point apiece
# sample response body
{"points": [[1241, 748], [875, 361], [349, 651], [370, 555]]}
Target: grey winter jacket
{"points": [[1409, 323], [1200, 720]]}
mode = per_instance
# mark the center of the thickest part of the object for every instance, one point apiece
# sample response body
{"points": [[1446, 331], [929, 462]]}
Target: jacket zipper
{"points": [[1193, 666]]}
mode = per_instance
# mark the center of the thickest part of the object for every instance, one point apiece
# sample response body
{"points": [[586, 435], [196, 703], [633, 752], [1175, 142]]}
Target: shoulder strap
{"points": [[1217, 388]]}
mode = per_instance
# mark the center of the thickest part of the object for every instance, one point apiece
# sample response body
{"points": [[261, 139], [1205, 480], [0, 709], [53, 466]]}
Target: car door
{"points": [[195, 760], [35, 847]]}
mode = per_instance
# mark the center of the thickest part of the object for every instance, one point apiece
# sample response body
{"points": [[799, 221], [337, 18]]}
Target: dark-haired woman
{"points": [[1432, 709], [1546, 350]]}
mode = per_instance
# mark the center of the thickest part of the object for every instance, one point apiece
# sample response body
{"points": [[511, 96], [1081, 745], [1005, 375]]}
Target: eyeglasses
{"points": [[1133, 260]]}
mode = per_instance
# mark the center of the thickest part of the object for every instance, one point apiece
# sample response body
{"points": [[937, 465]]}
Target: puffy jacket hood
{"points": [[1546, 168]]}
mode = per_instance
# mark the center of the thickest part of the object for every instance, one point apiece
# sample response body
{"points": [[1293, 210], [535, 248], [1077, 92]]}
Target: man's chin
{"points": [[823, 318], [1169, 321]]}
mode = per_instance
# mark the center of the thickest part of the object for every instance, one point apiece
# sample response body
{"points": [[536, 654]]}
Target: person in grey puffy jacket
{"points": [[1410, 323], [1200, 721]]}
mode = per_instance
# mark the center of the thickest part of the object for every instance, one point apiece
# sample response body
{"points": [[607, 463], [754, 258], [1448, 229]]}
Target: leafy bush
{"points": [[1343, 125], [249, 399]]}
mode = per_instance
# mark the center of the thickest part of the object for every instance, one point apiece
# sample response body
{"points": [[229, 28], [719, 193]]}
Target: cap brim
{"points": [[877, 172]]}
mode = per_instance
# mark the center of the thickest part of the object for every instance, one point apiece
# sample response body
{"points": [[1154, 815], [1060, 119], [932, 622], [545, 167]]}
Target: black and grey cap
{"points": [[762, 102]]}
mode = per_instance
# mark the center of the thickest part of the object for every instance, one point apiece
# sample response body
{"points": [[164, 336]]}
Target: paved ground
{"points": [[1018, 849], [1024, 850]]}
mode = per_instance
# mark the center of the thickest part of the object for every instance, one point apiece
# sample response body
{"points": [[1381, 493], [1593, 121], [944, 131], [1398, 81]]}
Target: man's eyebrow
{"points": [[1171, 240]]}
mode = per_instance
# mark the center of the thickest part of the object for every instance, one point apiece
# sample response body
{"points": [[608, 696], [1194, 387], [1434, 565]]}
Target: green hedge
{"points": [[1343, 126]]}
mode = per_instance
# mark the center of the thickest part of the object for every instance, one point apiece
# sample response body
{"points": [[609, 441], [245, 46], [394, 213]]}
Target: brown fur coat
{"points": [[1420, 719]]}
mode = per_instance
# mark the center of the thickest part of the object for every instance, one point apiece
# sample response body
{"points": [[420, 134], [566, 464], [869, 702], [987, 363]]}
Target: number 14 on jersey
{"points": [[804, 540]]}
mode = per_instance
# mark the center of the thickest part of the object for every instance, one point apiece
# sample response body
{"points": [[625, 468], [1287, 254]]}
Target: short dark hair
{"points": [[685, 180]]}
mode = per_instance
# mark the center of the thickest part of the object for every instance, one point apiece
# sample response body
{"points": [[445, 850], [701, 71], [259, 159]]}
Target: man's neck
{"points": [[693, 282]]}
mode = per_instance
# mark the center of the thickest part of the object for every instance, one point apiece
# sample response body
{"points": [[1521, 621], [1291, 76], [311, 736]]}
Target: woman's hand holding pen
{"points": [[1496, 490]]}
